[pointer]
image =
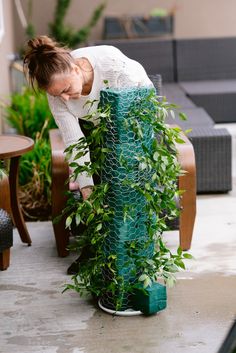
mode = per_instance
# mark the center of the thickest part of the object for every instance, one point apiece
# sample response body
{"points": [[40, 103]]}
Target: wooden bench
{"points": [[60, 173]]}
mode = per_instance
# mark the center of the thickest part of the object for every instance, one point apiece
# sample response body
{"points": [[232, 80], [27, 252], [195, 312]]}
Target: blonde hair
{"points": [[45, 58]]}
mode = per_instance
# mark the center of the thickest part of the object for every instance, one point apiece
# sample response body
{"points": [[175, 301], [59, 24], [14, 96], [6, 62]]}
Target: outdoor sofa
{"points": [[198, 75]]}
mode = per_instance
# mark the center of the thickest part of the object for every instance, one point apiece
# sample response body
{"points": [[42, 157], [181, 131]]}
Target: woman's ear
{"points": [[75, 68]]}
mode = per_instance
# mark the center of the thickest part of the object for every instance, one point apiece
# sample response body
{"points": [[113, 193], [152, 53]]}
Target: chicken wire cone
{"points": [[121, 164]]}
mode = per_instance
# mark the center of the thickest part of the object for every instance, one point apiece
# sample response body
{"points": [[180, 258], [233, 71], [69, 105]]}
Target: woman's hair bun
{"points": [[41, 43]]}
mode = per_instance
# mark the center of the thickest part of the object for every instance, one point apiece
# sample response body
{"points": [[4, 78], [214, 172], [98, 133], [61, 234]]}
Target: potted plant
{"points": [[28, 114], [146, 259], [158, 22]]}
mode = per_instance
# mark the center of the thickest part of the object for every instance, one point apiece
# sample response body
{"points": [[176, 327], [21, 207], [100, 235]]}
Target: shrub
{"points": [[29, 114]]}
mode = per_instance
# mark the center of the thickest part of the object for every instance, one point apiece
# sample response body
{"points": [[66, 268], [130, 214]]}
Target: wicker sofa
{"points": [[206, 70], [203, 89]]}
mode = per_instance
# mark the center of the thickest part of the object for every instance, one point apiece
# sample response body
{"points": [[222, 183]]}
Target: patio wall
{"points": [[194, 18], [6, 50]]}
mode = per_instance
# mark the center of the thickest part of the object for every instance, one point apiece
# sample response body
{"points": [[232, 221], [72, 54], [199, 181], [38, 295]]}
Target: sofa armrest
{"points": [[187, 183], [60, 174]]}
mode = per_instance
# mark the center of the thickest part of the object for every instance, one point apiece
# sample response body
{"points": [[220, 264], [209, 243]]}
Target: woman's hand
{"points": [[86, 192], [73, 186]]}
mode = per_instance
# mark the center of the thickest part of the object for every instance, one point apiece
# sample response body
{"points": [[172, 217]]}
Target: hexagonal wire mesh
{"points": [[121, 164]]}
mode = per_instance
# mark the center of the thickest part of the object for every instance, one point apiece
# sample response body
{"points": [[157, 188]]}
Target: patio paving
{"points": [[36, 317]]}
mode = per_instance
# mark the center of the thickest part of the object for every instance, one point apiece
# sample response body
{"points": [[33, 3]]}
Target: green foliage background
{"points": [[66, 34]]}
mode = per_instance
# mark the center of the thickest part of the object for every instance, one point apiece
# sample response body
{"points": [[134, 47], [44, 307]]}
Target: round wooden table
{"points": [[12, 147]]}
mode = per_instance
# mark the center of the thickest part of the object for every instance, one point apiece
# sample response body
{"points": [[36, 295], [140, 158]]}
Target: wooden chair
{"points": [[60, 173], [187, 182]]}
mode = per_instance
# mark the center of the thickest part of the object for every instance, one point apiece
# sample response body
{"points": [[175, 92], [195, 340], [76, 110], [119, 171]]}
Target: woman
{"points": [[71, 78]]}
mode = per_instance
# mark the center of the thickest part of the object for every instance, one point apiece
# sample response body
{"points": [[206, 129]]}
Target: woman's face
{"points": [[67, 85]]}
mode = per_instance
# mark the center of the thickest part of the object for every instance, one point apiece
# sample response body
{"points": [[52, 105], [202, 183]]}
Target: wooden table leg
{"points": [[15, 206], [5, 259]]}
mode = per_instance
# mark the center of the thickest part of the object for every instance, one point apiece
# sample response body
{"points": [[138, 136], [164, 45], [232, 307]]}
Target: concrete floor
{"points": [[36, 317]]}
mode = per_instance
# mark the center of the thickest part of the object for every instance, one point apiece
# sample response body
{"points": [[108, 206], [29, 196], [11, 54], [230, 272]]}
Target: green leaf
{"points": [[90, 218], [106, 187], [143, 277], [179, 140], [99, 227], [150, 262], [188, 256], [170, 281], [183, 116], [142, 166], [173, 268], [147, 186], [154, 177], [77, 219], [179, 251], [112, 257], [156, 156], [180, 264], [87, 203], [68, 222], [73, 164], [147, 282], [148, 196]]}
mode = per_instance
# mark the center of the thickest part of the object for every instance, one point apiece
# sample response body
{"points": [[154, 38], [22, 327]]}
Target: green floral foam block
{"points": [[149, 300]]}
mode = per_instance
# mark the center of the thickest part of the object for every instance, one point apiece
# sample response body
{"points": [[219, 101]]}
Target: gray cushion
{"points": [[216, 97], [197, 117], [209, 87], [206, 59], [175, 94]]}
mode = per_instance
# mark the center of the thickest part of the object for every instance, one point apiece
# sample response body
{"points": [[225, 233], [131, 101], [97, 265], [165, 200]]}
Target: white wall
{"points": [[194, 18], [206, 18], [6, 49]]}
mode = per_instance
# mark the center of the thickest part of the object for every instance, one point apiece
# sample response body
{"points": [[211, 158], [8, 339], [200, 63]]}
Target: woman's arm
{"points": [[71, 132]]}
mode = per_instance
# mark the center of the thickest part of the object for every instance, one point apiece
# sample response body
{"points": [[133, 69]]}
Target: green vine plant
{"points": [[160, 194]]}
